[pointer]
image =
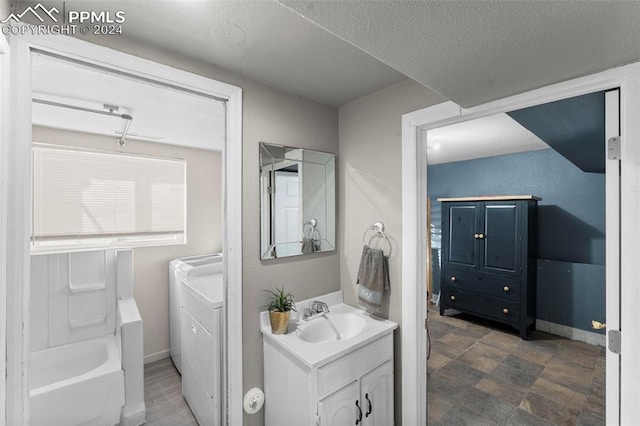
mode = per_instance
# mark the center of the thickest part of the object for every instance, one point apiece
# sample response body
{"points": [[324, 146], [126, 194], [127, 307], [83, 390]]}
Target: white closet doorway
{"points": [[27, 52], [621, 291]]}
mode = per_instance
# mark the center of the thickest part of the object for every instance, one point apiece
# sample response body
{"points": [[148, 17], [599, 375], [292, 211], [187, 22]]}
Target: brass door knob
{"points": [[505, 311], [453, 298], [453, 278], [506, 288]]}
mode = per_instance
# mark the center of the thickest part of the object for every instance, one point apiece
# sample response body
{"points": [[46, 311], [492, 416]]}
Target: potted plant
{"points": [[280, 305]]}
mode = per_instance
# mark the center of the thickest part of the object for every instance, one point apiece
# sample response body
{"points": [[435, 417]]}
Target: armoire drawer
{"points": [[491, 285], [494, 307]]}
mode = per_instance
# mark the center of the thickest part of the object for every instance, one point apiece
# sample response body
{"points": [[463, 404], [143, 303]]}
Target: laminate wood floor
{"points": [[163, 396], [480, 373]]}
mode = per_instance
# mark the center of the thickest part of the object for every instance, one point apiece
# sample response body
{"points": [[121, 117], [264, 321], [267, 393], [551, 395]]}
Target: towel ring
{"points": [[378, 228], [309, 229]]}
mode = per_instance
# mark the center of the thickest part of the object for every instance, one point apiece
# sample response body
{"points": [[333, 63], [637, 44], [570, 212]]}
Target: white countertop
{"points": [[314, 354]]}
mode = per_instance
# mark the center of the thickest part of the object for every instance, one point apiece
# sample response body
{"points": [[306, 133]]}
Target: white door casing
{"points": [[17, 236], [414, 161], [612, 232], [4, 142], [18, 179], [414, 295]]}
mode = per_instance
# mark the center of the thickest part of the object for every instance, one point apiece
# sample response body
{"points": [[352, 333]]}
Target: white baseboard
{"points": [[134, 417], [157, 356], [571, 333]]}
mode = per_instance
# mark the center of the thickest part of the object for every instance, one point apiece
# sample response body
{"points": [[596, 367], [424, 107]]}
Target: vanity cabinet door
{"points": [[340, 409], [376, 395]]}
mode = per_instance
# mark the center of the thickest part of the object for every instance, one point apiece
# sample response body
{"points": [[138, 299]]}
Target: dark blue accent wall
{"points": [[574, 127], [571, 224]]}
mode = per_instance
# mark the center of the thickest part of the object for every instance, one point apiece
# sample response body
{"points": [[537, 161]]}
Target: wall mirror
{"points": [[297, 201]]}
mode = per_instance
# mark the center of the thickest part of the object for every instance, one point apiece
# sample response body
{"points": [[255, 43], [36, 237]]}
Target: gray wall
{"points": [[272, 116], [370, 187], [571, 224]]}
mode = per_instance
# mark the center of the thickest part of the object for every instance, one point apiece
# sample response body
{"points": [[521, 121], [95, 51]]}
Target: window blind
{"points": [[87, 199]]}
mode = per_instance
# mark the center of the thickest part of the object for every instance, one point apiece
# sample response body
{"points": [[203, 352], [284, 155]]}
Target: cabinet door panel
{"points": [[376, 395], [461, 229], [339, 408], [501, 237]]}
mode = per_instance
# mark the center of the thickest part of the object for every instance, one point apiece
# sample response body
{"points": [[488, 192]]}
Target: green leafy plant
{"points": [[279, 301]]}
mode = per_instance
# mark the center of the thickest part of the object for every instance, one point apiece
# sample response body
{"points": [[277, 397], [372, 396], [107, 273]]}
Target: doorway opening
{"points": [[481, 284], [221, 107]]}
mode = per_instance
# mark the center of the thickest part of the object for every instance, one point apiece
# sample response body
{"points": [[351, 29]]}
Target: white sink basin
{"points": [[324, 339], [332, 327]]}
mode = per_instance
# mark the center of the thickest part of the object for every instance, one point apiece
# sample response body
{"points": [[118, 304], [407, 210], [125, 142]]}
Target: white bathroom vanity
{"points": [[335, 369]]}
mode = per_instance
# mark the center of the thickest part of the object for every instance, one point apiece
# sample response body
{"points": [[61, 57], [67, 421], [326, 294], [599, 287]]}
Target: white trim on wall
{"points": [[612, 253], [157, 356], [628, 79], [414, 180], [79, 50], [4, 146], [18, 176]]}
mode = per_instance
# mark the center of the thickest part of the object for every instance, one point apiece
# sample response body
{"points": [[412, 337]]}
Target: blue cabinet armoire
{"points": [[489, 258]]}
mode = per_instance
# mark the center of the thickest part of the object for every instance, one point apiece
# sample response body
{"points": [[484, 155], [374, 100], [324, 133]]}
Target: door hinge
{"points": [[614, 341], [271, 190], [614, 148], [426, 323]]}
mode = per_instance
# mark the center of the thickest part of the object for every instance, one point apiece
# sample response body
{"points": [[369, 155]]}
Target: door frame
{"points": [[18, 262], [414, 194], [612, 248], [4, 163]]}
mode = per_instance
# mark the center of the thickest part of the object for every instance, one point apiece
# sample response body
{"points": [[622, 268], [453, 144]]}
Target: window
{"points": [[90, 199]]}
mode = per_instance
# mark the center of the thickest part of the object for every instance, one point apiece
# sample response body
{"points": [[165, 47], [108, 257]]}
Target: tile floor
{"points": [[481, 373]]}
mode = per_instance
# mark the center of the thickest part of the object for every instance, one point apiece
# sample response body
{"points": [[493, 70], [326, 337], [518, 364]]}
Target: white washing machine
{"points": [[202, 318], [184, 269]]}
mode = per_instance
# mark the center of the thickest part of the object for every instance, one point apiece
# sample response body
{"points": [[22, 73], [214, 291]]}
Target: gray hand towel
{"points": [[308, 245], [373, 277]]}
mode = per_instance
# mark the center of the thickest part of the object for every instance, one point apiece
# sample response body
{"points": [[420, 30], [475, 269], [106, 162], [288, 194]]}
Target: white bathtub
{"points": [[79, 383]]}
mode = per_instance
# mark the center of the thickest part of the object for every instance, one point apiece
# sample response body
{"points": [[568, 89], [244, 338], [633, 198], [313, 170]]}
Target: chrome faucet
{"points": [[318, 309]]}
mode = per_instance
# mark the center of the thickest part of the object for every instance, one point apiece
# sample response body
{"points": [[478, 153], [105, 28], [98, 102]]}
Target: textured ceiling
{"points": [[262, 40], [475, 51], [468, 51]]}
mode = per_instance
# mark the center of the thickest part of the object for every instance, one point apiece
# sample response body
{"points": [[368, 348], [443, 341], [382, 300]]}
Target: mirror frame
{"points": [[309, 226]]}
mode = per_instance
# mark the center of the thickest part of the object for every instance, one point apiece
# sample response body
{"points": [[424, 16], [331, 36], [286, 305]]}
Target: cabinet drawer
{"points": [[491, 285], [202, 349], [493, 307], [340, 372]]}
